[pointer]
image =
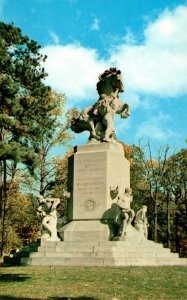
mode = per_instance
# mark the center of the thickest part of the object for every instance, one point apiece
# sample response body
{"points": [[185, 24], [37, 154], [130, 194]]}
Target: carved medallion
{"points": [[90, 204]]}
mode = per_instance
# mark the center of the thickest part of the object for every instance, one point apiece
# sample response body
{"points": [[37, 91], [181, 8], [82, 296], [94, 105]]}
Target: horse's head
{"points": [[109, 81]]}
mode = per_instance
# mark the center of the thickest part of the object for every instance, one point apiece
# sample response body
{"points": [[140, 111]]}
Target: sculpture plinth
{"points": [[93, 170]]}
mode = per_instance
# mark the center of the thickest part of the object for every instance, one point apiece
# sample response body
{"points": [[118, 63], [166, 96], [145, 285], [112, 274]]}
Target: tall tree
{"points": [[178, 167], [57, 135], [24, 105]]}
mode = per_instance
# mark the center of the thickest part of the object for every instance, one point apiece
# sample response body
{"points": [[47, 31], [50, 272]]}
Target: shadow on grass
{"points": [[14, 298], [70, 298], [13, 278], [50, 298]]}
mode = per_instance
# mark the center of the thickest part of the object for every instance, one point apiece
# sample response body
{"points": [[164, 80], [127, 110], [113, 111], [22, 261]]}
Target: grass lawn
{"points": [[93, 283]]}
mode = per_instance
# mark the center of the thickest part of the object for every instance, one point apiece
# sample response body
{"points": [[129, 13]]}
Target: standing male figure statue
{"points": [[124, 203]]}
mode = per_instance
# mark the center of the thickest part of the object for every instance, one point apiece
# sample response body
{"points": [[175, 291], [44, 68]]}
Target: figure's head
{"points": [[128, 190], [40, 199], [118, 80], [109, 81], [144, 207], [49, 202]]}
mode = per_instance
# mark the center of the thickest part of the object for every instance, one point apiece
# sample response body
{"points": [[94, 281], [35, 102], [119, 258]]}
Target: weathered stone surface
{"points": [[135, 251], [85, 230], [108, 253], [96, 168], [98, 181], [98, 119]]}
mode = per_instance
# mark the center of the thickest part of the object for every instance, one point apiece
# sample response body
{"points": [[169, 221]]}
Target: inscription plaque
{"points": [[89, 184], [94, 172]]}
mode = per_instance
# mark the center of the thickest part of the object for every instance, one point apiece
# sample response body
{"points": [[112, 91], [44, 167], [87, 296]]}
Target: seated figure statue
{"points": [[124, 203], [98, 119], [141, 223], [48, 215]]}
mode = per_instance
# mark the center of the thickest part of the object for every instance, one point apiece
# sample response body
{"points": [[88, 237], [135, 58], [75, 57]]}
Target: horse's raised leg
{"points": [[93, 133], [108, 122]]}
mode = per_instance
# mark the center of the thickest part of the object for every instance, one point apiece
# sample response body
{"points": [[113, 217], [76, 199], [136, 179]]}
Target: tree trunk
{"points": [[1, 181], [177, 239], [155, 220], [4, 209], [155, 229], [42, 179], [42, 170], [168, 222], [1, 189]]}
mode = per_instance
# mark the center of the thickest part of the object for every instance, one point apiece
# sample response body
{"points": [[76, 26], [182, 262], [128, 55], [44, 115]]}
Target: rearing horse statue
{"points": [[98, 119]]}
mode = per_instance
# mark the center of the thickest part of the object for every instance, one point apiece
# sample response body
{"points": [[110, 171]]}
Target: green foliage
{"points": [[45, 180], [161, 184], [21, 221], [27, 112], [178, 173], [33, 121], [166, 196], [24, 99]]}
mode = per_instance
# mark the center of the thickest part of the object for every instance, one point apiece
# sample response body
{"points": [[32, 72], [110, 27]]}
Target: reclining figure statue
{"points": [[98, 119]]}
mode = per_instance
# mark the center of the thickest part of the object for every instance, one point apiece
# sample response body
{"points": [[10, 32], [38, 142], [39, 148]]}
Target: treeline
{"points": [[30, 127], [161, 184], [33, 121]]}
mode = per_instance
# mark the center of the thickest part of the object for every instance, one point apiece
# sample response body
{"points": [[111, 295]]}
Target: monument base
{"points": [[84, 230], [104, 253], [94, 171]]}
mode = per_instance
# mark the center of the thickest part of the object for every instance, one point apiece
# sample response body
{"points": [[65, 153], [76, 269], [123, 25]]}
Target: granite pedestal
{"points": [[94, 170]]}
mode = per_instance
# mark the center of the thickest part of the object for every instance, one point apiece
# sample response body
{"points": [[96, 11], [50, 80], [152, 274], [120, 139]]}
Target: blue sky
{"points": [[147, 40]]}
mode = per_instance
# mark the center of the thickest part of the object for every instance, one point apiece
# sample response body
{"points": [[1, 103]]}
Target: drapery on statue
{"points": [[98, 119], [48, 215]]}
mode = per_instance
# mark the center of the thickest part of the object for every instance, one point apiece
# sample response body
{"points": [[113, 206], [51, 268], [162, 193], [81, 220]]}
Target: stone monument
{"points": [[99, 231], [98, 119], [97, 166]]}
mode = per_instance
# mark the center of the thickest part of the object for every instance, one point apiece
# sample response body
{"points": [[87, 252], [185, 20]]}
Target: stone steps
{"points": [[108, 253], [102, 255], [96, 253], [98, 261]]}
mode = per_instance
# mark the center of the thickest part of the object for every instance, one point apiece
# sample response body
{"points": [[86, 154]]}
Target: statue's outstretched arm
{"points": [[125, 111]]}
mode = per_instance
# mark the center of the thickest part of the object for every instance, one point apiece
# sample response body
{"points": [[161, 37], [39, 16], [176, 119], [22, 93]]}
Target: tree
{"points": [[173, 187], [44, 181], [24, 105], [61, 180], [138, 178], [178, 186], [154, 170]]}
